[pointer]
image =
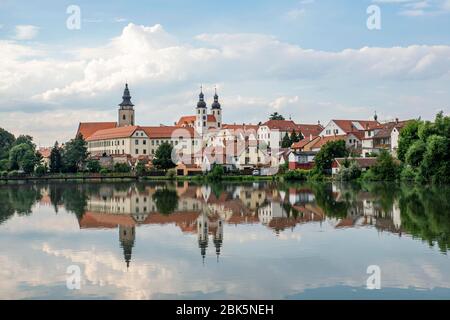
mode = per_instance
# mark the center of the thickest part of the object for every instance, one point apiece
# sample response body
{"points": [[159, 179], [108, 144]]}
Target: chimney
{"points": [[396, 120], [310, 137]]}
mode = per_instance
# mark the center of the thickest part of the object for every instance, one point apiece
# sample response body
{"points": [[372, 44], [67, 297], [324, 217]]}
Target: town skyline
{"points": [[53, 78]]}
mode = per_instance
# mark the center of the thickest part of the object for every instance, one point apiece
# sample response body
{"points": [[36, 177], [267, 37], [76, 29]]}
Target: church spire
{"points": [[201, 99], [216, 104], [126, 98]]}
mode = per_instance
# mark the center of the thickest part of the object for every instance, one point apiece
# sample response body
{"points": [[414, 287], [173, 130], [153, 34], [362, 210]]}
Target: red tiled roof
{"points": [[283, 125], [45, 152], [114, 133], [190, 120], [243, 127], [348, 126], [323, 140], [302, 143], [168, 132], [89, 128], [310, 129]]}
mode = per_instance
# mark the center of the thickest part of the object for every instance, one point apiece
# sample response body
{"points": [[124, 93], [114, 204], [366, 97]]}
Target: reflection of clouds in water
{"points": [[163, 275], [43, 221]]}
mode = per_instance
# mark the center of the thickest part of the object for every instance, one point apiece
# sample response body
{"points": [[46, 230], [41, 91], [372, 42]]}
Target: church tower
{"points": [[127, 236], [126, 110], [202, 232], [217, 110], [201, 118]]}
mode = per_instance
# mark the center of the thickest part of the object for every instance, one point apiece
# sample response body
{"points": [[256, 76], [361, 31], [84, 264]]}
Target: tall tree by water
{"points": [[163, 157]]}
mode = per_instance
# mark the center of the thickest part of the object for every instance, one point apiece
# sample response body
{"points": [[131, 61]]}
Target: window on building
{"points": [[124, 117], [144, 142], [137, 151], [204, 123], [136, 142], [145, 151]]}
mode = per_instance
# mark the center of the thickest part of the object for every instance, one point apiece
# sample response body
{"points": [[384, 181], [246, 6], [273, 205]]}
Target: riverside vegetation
{"points": [[423, 157]]}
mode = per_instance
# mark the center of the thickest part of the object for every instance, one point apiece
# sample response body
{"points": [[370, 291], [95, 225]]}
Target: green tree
{"points": [[436, 160], [75, 154], [408, 135], [286, 142], [326, 155], [56, 164], [7, 140], [216, 173], [163, 157], [166, 200], [276, 116], [141, 170], [122, 168], [23, 157], [25, 139], [295, 137], [415, 153], [386, 169], [93, 166]]}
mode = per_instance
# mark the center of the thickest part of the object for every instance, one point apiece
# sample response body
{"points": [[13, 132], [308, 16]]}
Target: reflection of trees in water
{"points": [[73, 197], [323, 192], [426, 214], [425, 211], [166, 200], [17, 199]]}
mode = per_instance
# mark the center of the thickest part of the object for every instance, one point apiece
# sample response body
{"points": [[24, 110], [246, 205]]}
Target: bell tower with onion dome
{"points": [[216, 109], [126, 110], [201, 116]]}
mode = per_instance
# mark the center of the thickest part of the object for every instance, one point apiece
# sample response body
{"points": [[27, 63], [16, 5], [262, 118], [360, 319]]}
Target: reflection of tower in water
{"points": [[205, 225], [127, 235]]}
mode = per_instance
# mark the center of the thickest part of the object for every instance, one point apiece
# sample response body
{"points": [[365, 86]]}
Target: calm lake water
{"points": [[224, 241]]}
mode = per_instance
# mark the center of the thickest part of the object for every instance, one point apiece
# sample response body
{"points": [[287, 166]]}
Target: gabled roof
{"points": [[308, 130], [302, 143], [114, 133], [319, 143], [190, 120], [387, 128], [168, 132], [87, 129], [356, 125], [282, 125]]}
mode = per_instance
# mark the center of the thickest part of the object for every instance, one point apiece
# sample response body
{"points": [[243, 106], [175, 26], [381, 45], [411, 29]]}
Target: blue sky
{"points": [[311, 59]]}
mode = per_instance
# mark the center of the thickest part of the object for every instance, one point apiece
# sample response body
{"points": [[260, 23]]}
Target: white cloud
{"points": [[26, 32], [254, 70]]}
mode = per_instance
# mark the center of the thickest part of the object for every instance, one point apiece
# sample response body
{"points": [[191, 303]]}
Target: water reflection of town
{"points": [[204, 210]]}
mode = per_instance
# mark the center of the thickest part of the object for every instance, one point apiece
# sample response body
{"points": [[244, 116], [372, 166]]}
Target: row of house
{"points": [[201, 140], [364, 139]]}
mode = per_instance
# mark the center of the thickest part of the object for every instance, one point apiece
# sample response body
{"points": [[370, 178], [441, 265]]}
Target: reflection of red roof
{"points": [[186, 221], [89, 128]]}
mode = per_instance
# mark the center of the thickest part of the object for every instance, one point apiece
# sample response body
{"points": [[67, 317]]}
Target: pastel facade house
{"points": [[384, 137], [301, 160]]}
